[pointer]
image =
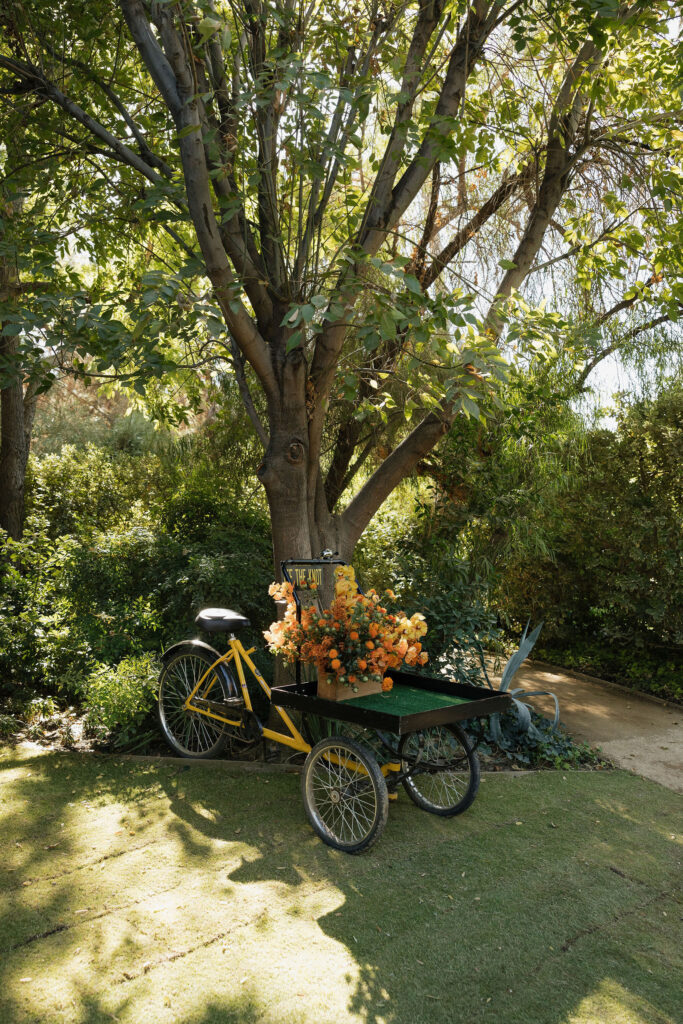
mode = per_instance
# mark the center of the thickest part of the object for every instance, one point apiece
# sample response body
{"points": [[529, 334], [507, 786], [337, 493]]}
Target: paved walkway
{"points": [[634, 731]]}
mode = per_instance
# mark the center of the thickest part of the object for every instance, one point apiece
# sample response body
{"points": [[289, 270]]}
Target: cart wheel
{"points": [[188, 733], [445, 769], [344, 794]]}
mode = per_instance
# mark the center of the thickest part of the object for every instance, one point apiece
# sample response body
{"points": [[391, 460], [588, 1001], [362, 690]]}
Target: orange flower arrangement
{"points": [[355, 640]]}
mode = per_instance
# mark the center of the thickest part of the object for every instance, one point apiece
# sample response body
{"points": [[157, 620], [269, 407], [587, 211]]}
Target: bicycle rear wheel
{"points": [[444, 769], [189, 733]]}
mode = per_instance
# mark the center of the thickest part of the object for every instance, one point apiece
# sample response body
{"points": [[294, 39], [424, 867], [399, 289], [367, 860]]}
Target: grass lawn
{"points": [[141, 892]]}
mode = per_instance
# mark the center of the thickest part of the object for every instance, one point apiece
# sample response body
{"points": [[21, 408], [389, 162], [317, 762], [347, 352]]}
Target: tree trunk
{"points": [[16, 421], [16, 409], [301, 523]]}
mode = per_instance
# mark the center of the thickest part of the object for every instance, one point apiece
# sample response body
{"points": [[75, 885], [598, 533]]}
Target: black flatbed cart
{"points": [[410, 736]]}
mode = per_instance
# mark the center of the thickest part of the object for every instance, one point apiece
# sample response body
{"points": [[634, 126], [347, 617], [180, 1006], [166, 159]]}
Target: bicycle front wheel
{"points": [[344, 794], [189, 733], [443, 769]]}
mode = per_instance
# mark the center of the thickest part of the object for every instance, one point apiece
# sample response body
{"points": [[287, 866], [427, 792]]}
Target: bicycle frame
{"points": [[240, 657]]}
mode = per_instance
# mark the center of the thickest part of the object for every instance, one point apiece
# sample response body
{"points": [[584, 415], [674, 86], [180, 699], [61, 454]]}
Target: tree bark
{"points": [[14, 447], [16, 408]]}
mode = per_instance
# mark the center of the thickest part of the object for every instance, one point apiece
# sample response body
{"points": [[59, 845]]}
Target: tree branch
{"points": [[152, 54], [237, 359], [151, 158], [616, 345], [377, 209], [32, 75], [562, 131], [183, 95], [395, 468], [386, 208], [484, 213]]}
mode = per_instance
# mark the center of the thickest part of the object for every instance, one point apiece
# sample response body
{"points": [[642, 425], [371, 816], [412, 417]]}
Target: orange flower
{"points": [[362, 664], [373, 629], [334, 653], [353, 635], [369, 644], [387, 683], [352, 679], [335, 663]]}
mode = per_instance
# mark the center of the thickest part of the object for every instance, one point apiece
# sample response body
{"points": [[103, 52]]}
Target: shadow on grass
{"points": [[133, 890]]}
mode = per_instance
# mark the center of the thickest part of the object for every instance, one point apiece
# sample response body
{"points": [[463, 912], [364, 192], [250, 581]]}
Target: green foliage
{"points": [[427, 574], [120, 700], [658, 671], [80, 489], [576, 525], [124, 552], [453, 600], [615, 576], [40, 709], [543, 745], [8, 726]]}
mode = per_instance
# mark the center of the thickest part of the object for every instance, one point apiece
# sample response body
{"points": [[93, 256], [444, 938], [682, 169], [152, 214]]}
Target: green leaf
{"points": [[471, 408], [207, 28]]}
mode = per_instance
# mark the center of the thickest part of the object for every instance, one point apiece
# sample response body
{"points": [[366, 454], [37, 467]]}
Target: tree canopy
{"points": [[367, 208]]}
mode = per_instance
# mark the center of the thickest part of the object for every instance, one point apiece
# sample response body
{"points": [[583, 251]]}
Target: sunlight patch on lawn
{"points": [[611, 1003]]}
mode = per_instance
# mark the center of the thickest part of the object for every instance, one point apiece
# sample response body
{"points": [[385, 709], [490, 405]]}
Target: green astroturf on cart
{"points": [[405, 700]]}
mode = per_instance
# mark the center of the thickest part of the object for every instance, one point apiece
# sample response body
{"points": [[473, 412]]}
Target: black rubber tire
{"points": [[188, 733], [448, 792], [347, 805]]}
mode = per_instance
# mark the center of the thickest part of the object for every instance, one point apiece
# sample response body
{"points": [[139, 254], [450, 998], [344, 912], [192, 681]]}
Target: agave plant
{"points": [[522, 710]]}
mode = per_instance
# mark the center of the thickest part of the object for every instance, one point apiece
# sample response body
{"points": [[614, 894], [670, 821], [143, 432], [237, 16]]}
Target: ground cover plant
{"points": [[149, 891]]}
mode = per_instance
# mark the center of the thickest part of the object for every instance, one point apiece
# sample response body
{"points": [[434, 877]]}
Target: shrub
{"points": [[79, 490], [120, 700], [8, 726]]}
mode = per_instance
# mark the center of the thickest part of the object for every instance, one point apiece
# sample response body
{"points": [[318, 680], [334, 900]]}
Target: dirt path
{"points": [[636, 732]]}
